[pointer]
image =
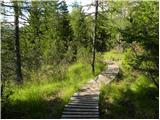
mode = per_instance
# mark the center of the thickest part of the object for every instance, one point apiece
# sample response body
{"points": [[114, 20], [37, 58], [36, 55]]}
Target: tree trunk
{"points": [[17, 45], [94, 36]]}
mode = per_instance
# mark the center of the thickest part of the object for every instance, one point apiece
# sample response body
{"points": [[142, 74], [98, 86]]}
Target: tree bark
{"points": [[17, 45], [94, 36]]}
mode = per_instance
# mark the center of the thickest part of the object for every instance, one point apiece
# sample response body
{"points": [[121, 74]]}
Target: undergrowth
{"points": [[130, 95], [46, 98]]}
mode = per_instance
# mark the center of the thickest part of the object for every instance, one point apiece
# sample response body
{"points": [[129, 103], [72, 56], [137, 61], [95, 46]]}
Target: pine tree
{"points": [[17, 44]]}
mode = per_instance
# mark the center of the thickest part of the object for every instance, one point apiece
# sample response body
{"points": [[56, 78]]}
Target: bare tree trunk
{"points": [[17, 45], [94, 36]]}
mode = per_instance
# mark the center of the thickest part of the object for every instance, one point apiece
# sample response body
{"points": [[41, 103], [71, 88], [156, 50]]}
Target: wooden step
{"points": [[85, 104], [83, 99], [86, 96], [81, 113], [80, 116], [81, 109], [78, 106], [92, 95]]}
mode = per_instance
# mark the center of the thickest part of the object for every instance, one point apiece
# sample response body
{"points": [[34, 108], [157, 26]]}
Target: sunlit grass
{"points": [[133, 95], [34, 99], [119, 98], [114, 56]]}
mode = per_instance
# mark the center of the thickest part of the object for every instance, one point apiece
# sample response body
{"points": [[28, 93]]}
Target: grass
{"points": [[131, 95], [120, 100], [114, 56], [46, 98]]}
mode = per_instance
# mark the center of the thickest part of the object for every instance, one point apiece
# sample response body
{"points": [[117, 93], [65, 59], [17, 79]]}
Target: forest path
{"points": [[84, 104]]}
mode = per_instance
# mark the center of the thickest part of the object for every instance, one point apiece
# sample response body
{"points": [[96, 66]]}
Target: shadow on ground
{"points": [[142, 104], [34, 109]]}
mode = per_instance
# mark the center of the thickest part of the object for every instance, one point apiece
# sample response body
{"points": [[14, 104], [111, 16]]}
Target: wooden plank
{"points": [[85, 104], [81, 113], [91, 95], [83, 99], [78, 106], [106, 73], [81, 109], [86, 97], [80, 116]]}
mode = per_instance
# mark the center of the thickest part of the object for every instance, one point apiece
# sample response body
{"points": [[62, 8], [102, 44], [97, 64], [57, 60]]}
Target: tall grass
{"points": [[114, 56], [46, 98], [131, 95], [138, 99]]}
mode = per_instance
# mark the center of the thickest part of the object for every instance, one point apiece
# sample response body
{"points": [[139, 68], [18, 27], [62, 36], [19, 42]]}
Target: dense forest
{"points": [[49, 52]]}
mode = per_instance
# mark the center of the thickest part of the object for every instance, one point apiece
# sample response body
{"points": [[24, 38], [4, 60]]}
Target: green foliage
{"points": [[114, 55], [7, 53], [142, 32], [84, 55], [47, 93], [133, 100], [110, 20], [132, 96], [81, 29]]}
